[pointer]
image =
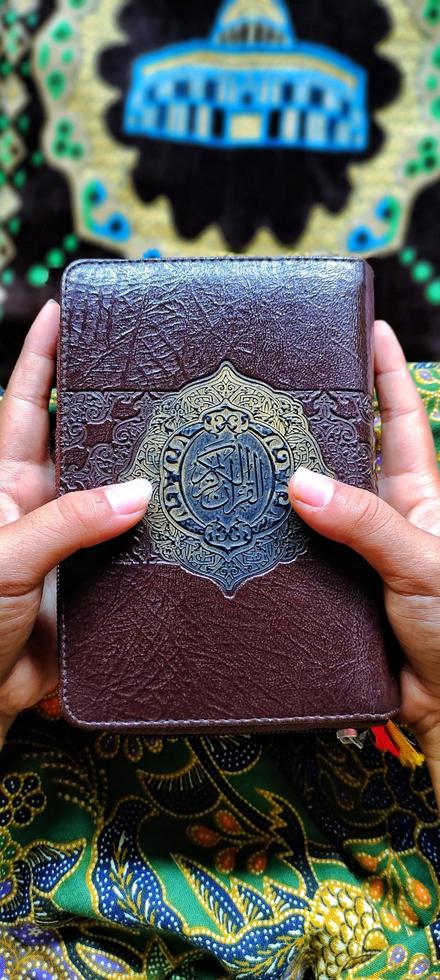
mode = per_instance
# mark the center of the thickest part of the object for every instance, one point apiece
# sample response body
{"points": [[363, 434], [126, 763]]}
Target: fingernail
{"points": [[312, 488], [129, 497], [49, 301]]}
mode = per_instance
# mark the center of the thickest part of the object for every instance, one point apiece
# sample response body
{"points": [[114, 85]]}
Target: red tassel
{"points": [[382, 740]]}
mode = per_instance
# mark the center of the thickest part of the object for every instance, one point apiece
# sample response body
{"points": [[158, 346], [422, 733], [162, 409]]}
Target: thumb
{"points": [[401, 553], [32, 545]]}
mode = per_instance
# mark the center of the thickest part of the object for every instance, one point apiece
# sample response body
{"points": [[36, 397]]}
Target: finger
{"points": [[37, 542], [28, 674], [5, 724], [24, 419], [409, 471], [403, 554], [28, 679]]}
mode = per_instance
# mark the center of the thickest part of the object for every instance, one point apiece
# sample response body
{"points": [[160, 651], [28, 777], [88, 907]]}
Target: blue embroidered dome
{"points": [[252, 83], [262, 22]]}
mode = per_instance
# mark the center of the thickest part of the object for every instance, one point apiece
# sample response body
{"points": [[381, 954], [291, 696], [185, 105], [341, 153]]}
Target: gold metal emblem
{"points": [[219, 454]]}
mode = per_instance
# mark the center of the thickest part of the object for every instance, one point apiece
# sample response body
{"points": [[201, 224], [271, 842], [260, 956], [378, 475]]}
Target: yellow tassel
{"points": [[409, 756]]}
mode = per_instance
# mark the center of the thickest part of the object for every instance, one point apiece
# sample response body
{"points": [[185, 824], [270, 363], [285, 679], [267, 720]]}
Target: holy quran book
{"points": [[220, 611]]}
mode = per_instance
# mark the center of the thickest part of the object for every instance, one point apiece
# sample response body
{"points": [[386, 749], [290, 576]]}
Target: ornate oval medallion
{"points": [[219, 454]]}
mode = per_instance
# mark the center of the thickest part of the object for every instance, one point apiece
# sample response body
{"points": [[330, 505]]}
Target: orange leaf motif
{"points": [[225, 859], [226, 821], [408, 914], [376, 888], [203, 836], [368, 861], [257, 862], [390, 920], [419, 893]]}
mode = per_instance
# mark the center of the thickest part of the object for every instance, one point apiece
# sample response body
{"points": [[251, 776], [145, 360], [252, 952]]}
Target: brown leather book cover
{"points": [[220, 611]]}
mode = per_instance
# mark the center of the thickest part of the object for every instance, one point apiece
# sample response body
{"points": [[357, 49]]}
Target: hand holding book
{"points": [[397, 534], [36, 530]]}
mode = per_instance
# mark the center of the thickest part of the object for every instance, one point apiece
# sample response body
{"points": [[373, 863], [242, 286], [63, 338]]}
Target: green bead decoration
{"points": [[64, 126], [422, 271], [429, 157], [432, 291], [37, 158], [62, 31], [19, 178], [56, 82], [14, 225], [23, 124], [55, 258], [37, 275], [67, 57], [407, 255], [431, 83], [7, 277], [431, 162], [43, 56], [70, 243], [431, 13], [59, 148]]}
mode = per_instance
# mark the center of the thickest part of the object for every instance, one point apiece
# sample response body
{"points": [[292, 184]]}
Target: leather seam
{"points": [[224, 722], [197, 723]]}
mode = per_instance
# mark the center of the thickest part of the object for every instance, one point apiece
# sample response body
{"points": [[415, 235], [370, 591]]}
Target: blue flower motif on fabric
{"points": [[30, 874], [365, 238], [114, 226]]}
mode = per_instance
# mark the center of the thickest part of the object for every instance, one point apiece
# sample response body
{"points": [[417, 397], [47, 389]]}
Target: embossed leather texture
{"points": [[220, 611]]}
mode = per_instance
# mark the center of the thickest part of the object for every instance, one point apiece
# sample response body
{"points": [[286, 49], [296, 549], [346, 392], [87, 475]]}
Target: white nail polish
{"points": [[129, 497]]}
